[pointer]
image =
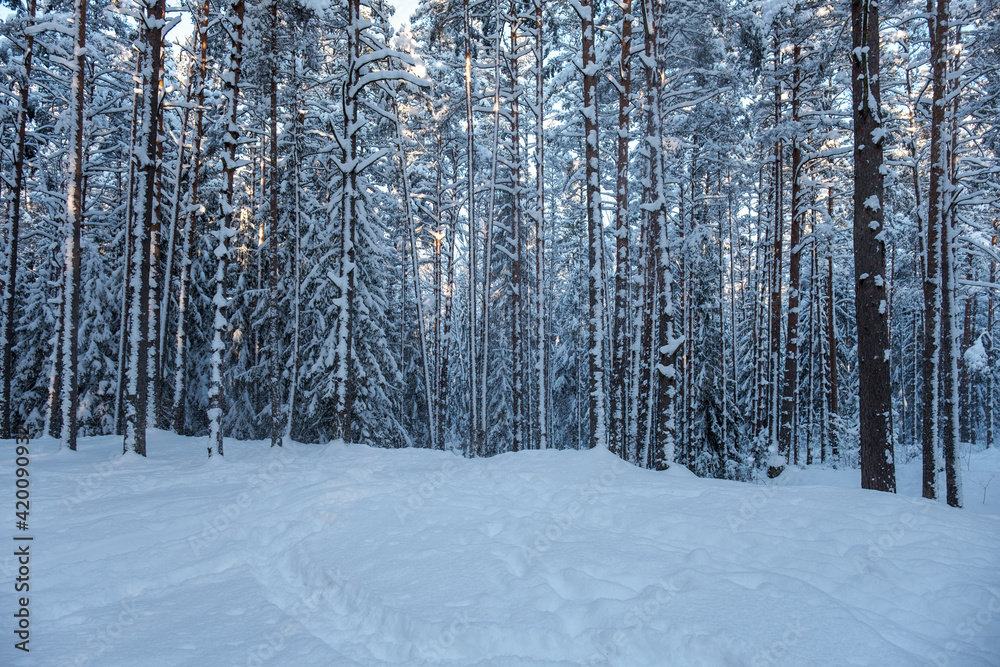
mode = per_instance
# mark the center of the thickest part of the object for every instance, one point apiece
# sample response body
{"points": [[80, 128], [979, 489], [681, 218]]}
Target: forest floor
{"points": [[349, 555]]}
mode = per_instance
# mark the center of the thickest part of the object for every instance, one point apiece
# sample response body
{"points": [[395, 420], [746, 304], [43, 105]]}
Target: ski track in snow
{"points": [[350, 555]]}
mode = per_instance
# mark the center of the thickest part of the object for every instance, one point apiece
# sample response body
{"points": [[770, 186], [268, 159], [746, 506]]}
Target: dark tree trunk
{"points": [[13, 231], [137, 394], [516, 282], [790, 387], [277, 424], [936, 217], [832, 402], [472, 446], [595, 264], [618, 386], [231, 92], [871, 300]]}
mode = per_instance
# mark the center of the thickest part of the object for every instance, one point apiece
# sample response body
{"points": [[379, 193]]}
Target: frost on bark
{"points": [[789, 395], [595, 264], [618, 383], [538, 212], [274, 379], [947, 233], [472, 444], [516, 222], [871, 300], [192, 216], [231, 93], [933, 465], [69, 392], [344, 384], [137, 394]]}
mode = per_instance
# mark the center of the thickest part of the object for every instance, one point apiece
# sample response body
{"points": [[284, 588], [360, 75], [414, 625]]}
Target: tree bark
{"points": [[192, 214], [871, 300], [69, 393], [595, 274], [277, 425], [231, 93], [621, 338], [790, 387], [137, 394], [13, 229]]}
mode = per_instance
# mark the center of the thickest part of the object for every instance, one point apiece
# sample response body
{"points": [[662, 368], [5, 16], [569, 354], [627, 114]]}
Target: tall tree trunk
{"points": [[472, 447], [777, 456], [832, 382], [491, 214], [154, 370], [621, 338], [966, 426], [595, 278], [297, 123], [541, 315], [145, 157], [991, 349], [948, 279], [277, 425], [69, 392], [933, 287], [192, 214], [124, 335], [660, 281], [175, 230], [231, 93], [415, 267], [878, 470], [516, 282], [790, 387], [344, 379], [13, 229]]}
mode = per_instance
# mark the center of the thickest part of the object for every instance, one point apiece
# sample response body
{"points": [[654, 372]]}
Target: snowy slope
{"points": [[347, 555]]}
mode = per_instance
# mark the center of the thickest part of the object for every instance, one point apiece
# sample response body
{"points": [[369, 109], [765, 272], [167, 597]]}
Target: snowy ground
{"points": [[346, 555]]}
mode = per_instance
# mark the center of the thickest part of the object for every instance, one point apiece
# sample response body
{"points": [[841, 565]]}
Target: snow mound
{"points": [[349, 555]]}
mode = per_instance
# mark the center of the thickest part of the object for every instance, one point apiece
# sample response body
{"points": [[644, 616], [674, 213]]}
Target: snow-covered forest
{"points": [[535, 332], [731, 235]]}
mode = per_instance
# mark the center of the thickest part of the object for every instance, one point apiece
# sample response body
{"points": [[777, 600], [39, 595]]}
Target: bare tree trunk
{"points": [[69, 391], [966, 430], [277, 425], [621, 338], [472, 447], [124, 352], [832, 402], [484, 332], [137, 394], [777, 455], [231, 92], [790, 388], [516, 330], [991, 348], [933, 287], [949, 271], [154, 370], [415, 266], [13, 229], [175, 220], [595, 277], [878, 470], [192, 213], [541, 315], [297, 123]]}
